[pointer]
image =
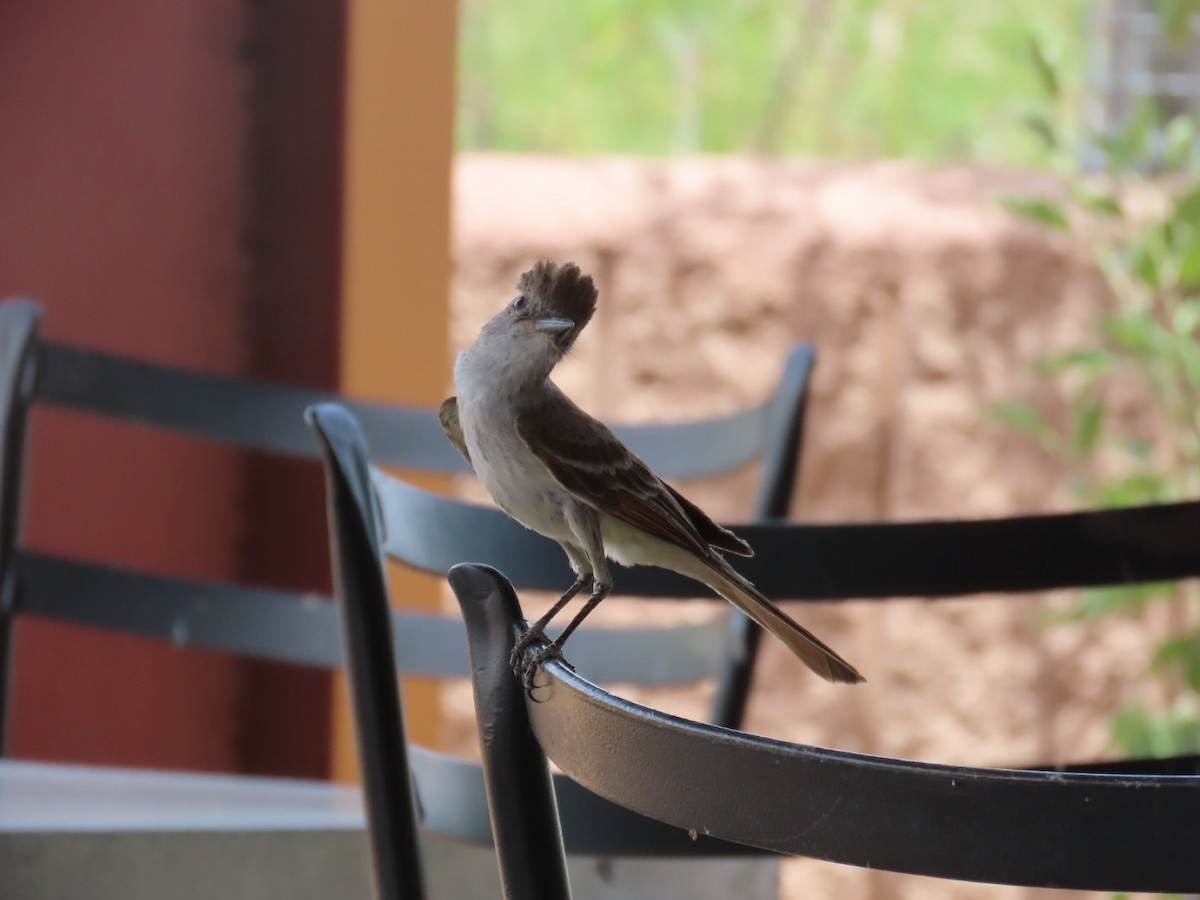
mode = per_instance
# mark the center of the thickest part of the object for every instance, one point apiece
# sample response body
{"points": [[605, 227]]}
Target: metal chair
{"points": [[370, 514], [287, 626], [252, 622], [253, 415], [266, 417], [1125, 825]]}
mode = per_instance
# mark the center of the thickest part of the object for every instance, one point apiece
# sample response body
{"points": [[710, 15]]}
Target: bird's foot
{"points": [[516, 659], [535, 659]]}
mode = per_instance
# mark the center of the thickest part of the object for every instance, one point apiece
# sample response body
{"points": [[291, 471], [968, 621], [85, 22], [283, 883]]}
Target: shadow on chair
{"points": [[1127, 825]]}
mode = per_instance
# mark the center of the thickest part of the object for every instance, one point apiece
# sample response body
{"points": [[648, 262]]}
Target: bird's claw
{"points": [[516, 659], [533, 660]]}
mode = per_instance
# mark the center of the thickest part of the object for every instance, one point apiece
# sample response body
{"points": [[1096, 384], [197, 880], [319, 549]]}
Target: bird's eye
{"points": [[518, 301]]}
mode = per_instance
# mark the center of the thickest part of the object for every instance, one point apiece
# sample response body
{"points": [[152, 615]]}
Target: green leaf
{"points": [[1098, 200], [1132, 731], [1186, 206], [1091, 360], [1173, 18], [1139, 732], [1038, 210], [1189, 266], [1150, 257], [1096, 603], [1046, 71], [1024, 418], [1182, 653], [1180, 142], [1089, 420], [1135, 332], [1187, 358], [1186, 317], [1130, 145], [1137, 489], [1042, 128]]}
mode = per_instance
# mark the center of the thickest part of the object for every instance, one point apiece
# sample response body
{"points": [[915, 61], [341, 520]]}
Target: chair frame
{"points": [[289, 626], [1126, 825], [591, 825], [259, 416]]}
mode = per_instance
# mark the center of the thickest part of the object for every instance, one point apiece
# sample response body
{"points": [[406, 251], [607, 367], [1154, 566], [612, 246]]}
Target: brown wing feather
{"points": [[448, 416], [716, 535], [591, 462]]}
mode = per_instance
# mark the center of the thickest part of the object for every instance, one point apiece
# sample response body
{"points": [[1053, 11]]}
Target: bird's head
{"points": [[553, 304]]}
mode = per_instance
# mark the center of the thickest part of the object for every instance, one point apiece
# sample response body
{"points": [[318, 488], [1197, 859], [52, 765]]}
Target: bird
{"points": [[564, 474]]}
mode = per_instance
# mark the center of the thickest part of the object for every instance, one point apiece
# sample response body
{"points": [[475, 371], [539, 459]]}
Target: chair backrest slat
{"points": [[799, 561], [250, 414], [249, 621], [956, 558], [1042, 829], [1083, 828], [259, 415]]}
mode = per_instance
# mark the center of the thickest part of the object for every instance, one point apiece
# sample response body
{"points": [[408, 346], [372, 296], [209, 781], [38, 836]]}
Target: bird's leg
{"points": [[553, 650], [586, 553], [537, 631]]}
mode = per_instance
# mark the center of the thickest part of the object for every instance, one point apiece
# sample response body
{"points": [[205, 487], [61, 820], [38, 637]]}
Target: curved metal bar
{"points": [[268, 416], [370, 658], [957, 558], [1087, 831], [456, 806], [783, 437], [303, 628], [840, 561], [18, 332], [782, 447], [259, 622], [521, 804]]}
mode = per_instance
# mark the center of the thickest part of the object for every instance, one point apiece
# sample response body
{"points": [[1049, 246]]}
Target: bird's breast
{"points": [[517, 480]]}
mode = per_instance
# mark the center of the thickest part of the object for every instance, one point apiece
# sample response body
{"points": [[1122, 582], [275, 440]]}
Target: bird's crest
{"points": [[560, 291]]}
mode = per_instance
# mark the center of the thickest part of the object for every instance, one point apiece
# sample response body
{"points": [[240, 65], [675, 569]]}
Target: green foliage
{"points": [[1176, 731], [1038, 210], [1131, 433], [937, 80]]}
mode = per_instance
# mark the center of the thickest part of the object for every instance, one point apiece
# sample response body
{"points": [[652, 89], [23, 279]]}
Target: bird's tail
{"points": [[813, 652]]}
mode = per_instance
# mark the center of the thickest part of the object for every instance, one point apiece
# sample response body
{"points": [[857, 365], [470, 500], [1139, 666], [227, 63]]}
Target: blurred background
{"points": [[982, 215]]}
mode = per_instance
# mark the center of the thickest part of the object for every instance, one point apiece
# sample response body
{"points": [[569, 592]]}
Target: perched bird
{"points": [[565, 475]]}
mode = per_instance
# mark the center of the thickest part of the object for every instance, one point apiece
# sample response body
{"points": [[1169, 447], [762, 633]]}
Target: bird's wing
{"points": [[587, 459], [448, 416], [716, 535]]}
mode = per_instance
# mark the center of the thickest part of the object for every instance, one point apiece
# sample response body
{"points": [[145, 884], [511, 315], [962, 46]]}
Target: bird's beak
{"points": [[558, 329]]}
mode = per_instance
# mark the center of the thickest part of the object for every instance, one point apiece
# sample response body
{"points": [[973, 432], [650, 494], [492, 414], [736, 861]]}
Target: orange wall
{"points": [[396, 251]]}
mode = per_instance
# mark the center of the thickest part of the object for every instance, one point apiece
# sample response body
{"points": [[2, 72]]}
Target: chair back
{"points": [[1129, 827], [450, 792]]}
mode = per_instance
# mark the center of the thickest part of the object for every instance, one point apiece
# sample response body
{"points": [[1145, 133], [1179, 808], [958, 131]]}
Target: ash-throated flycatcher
{"points": [[563, 474]]}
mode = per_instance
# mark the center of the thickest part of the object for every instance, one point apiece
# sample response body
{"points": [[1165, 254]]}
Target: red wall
{"points": [[170, 176]]}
